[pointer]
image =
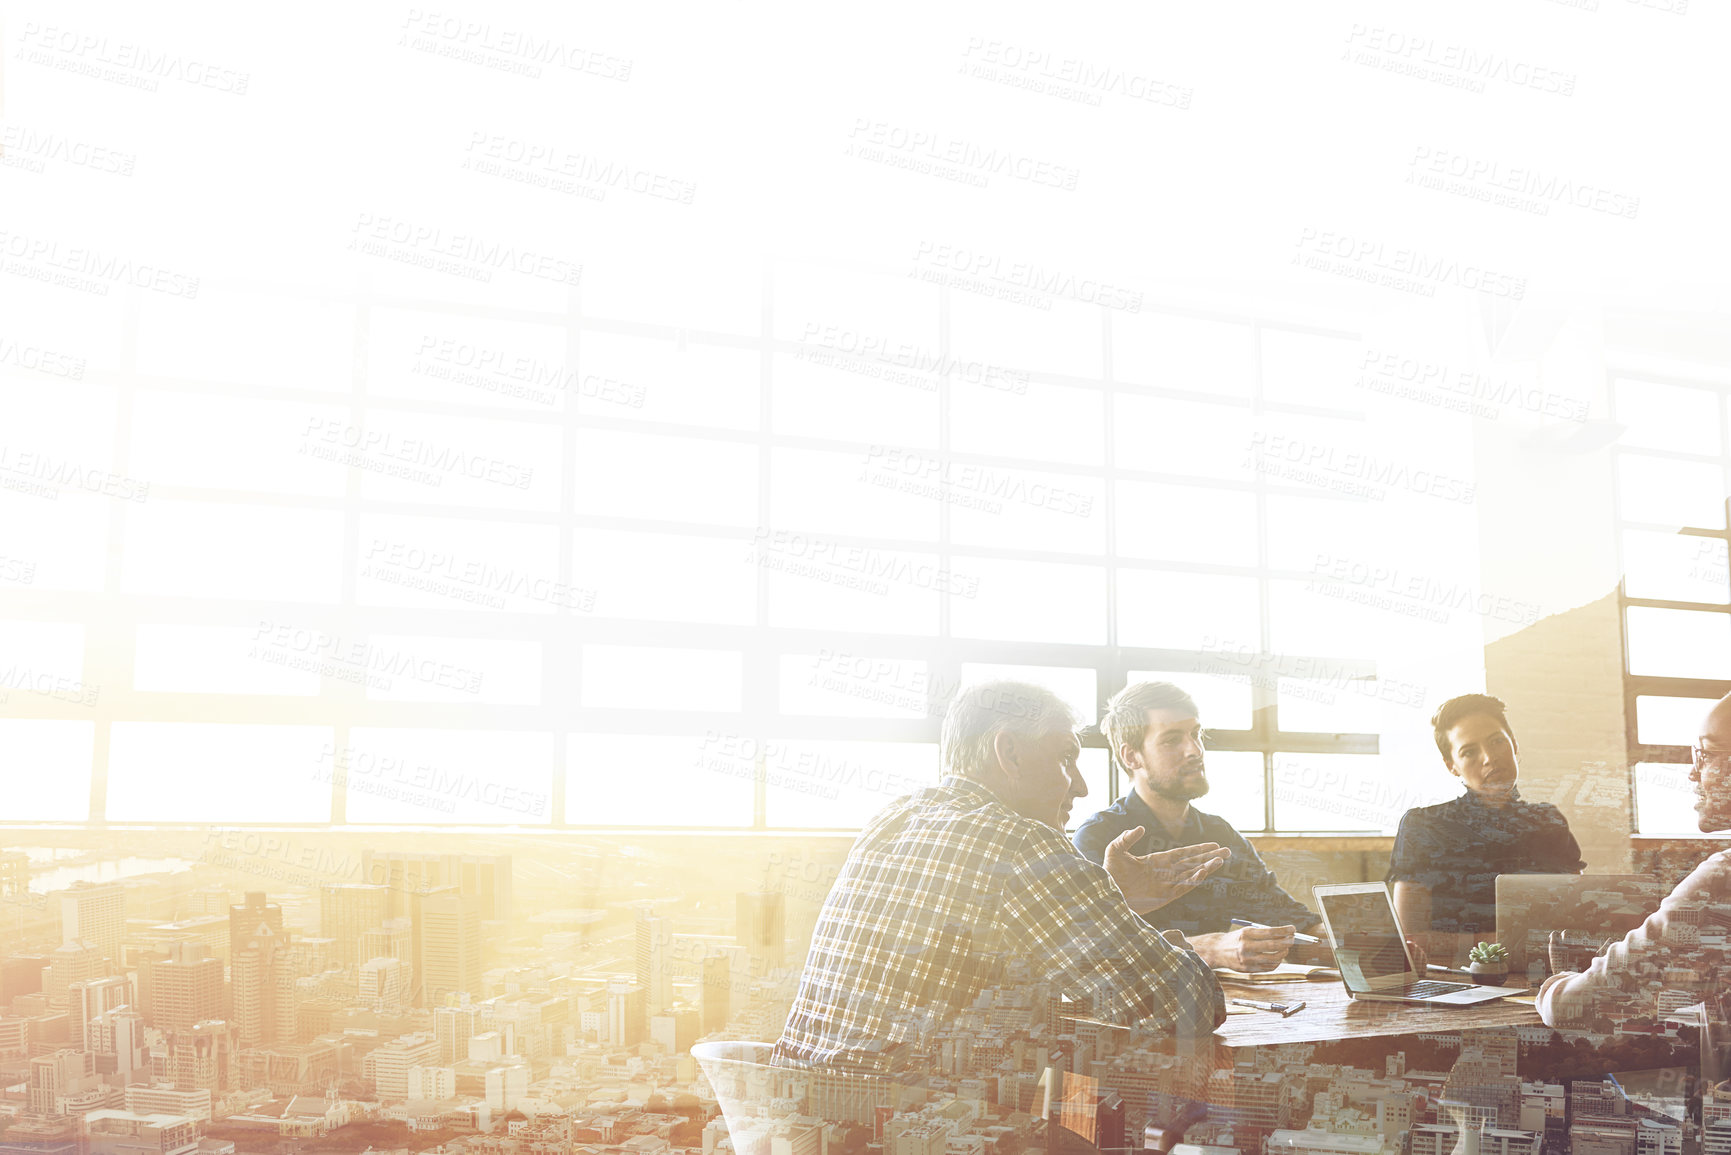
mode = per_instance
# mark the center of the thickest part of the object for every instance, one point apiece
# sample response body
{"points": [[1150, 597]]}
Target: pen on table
{"points": [[1297, 936], [1282, 1009]]}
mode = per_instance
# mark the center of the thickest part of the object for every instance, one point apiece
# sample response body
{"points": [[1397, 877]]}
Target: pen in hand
{"points": [[1297, 936]]}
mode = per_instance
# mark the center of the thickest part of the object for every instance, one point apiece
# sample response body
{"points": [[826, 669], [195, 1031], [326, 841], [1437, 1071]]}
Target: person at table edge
{"points": [[1447, 857], [1154, 732]]}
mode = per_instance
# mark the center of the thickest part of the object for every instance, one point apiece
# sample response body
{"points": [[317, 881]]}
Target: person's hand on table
{"points": [[1150, 881], [1249, 948]]}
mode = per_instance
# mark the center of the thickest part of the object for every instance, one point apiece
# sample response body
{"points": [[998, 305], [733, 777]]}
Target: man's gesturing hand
{"points": [[1150, 881]]}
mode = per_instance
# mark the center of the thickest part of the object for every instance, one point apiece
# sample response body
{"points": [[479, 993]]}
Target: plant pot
{"points": [[1488, 978]]}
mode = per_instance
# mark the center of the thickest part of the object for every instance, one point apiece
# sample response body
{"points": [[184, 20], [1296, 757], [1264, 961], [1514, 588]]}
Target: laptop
{"points": [[1370, 951], [1591, 908]]}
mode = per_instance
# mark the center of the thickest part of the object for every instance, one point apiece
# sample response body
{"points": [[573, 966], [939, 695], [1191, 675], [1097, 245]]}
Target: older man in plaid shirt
{"points": [[946, 885]]}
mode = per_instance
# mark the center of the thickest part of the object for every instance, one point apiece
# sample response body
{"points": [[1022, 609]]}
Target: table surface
{"points": [[1330, 1013]]}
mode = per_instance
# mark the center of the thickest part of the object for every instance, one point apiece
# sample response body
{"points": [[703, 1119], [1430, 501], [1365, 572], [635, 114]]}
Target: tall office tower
{"points": [[483, 876], [206, 900], [348, 910], [88, 999], [380, 984], [760, 927], [261, 982], [52, 1077], [97, 914], [245, 920], [116, 1039], [198, 1058], [180, 989], [654, 935], [627, 1013], [392, 940], [453, 1027], [717, 993], [450, 939], [74, 962]]}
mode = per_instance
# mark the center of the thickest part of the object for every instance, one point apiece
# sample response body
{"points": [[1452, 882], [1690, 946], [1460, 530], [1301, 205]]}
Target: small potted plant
{"points": [[1489, 964]]}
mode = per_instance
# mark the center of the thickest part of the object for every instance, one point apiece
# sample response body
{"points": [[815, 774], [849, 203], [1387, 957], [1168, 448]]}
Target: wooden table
{"points": [[1330, 1013]]}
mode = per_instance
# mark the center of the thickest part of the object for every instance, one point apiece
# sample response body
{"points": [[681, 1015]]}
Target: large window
{"points": [[592, 562], [1672, 478]]}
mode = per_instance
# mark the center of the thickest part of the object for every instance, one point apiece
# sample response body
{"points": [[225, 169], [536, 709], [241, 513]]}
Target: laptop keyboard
{"points": [[1429, 987]]}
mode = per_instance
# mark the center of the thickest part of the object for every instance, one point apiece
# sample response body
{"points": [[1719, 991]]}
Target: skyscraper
{"points": [[627, 1017], [245, 920], [449, 931], [347, 911], [654, 935], [94, 914], [453, 1027], [761, 918], [73, 962], [263, 991], [86, 1000], [181, 989], [484, 877]]}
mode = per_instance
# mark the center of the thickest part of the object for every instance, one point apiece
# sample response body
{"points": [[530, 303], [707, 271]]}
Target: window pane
{"points": [[883, 492], [1674, 493], [428, 459], [1025, 509], [215, 770], [1175, 352], [1330, 706], [469, 564], [262, 445], [663, 577], [1333, 792], [1305, 369], [635, 475], [1183, 611], [43, 662], [461, 360], [658, 379], [47, 769], [196, 549], [1320, 618], [1096, 767], [1679, 643], [818, 584], [1664, 799], [1672, 417], [218, 336], [424, 668], [1186, 523], [821, 392], [1046, 423], [1674, 567], [445, 776], [1312, 534], [1028, 601], [700, 780], [1669, 721], [54, 545], [842, 784], [218, 660], [1235, 788], [1062, 339], [837, 684], [1222, 700], [1076, 687], [656, 677], [1215, 442]]}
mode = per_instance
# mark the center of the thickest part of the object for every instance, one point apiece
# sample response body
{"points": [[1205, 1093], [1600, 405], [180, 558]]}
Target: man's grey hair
{"points": [[979, 713], [1126, 720]]}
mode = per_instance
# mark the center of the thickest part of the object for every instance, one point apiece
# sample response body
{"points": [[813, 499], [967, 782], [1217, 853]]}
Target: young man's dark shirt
{"points": [[1243, 888]]}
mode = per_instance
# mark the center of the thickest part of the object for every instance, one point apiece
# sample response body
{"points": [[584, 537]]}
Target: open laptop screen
{"points": [[1368, 944]]}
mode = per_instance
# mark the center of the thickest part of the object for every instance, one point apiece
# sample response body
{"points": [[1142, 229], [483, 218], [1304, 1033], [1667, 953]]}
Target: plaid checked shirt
{"points": [[940, 889]]}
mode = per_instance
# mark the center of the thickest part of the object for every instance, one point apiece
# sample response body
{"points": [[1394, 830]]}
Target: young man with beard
{"points": [[1156, 737], [1447, 857], [947, 886], [1666, 951]]}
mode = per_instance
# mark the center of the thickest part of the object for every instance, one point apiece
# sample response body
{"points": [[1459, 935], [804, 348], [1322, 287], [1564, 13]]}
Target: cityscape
{"points": [[240, 991]]}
